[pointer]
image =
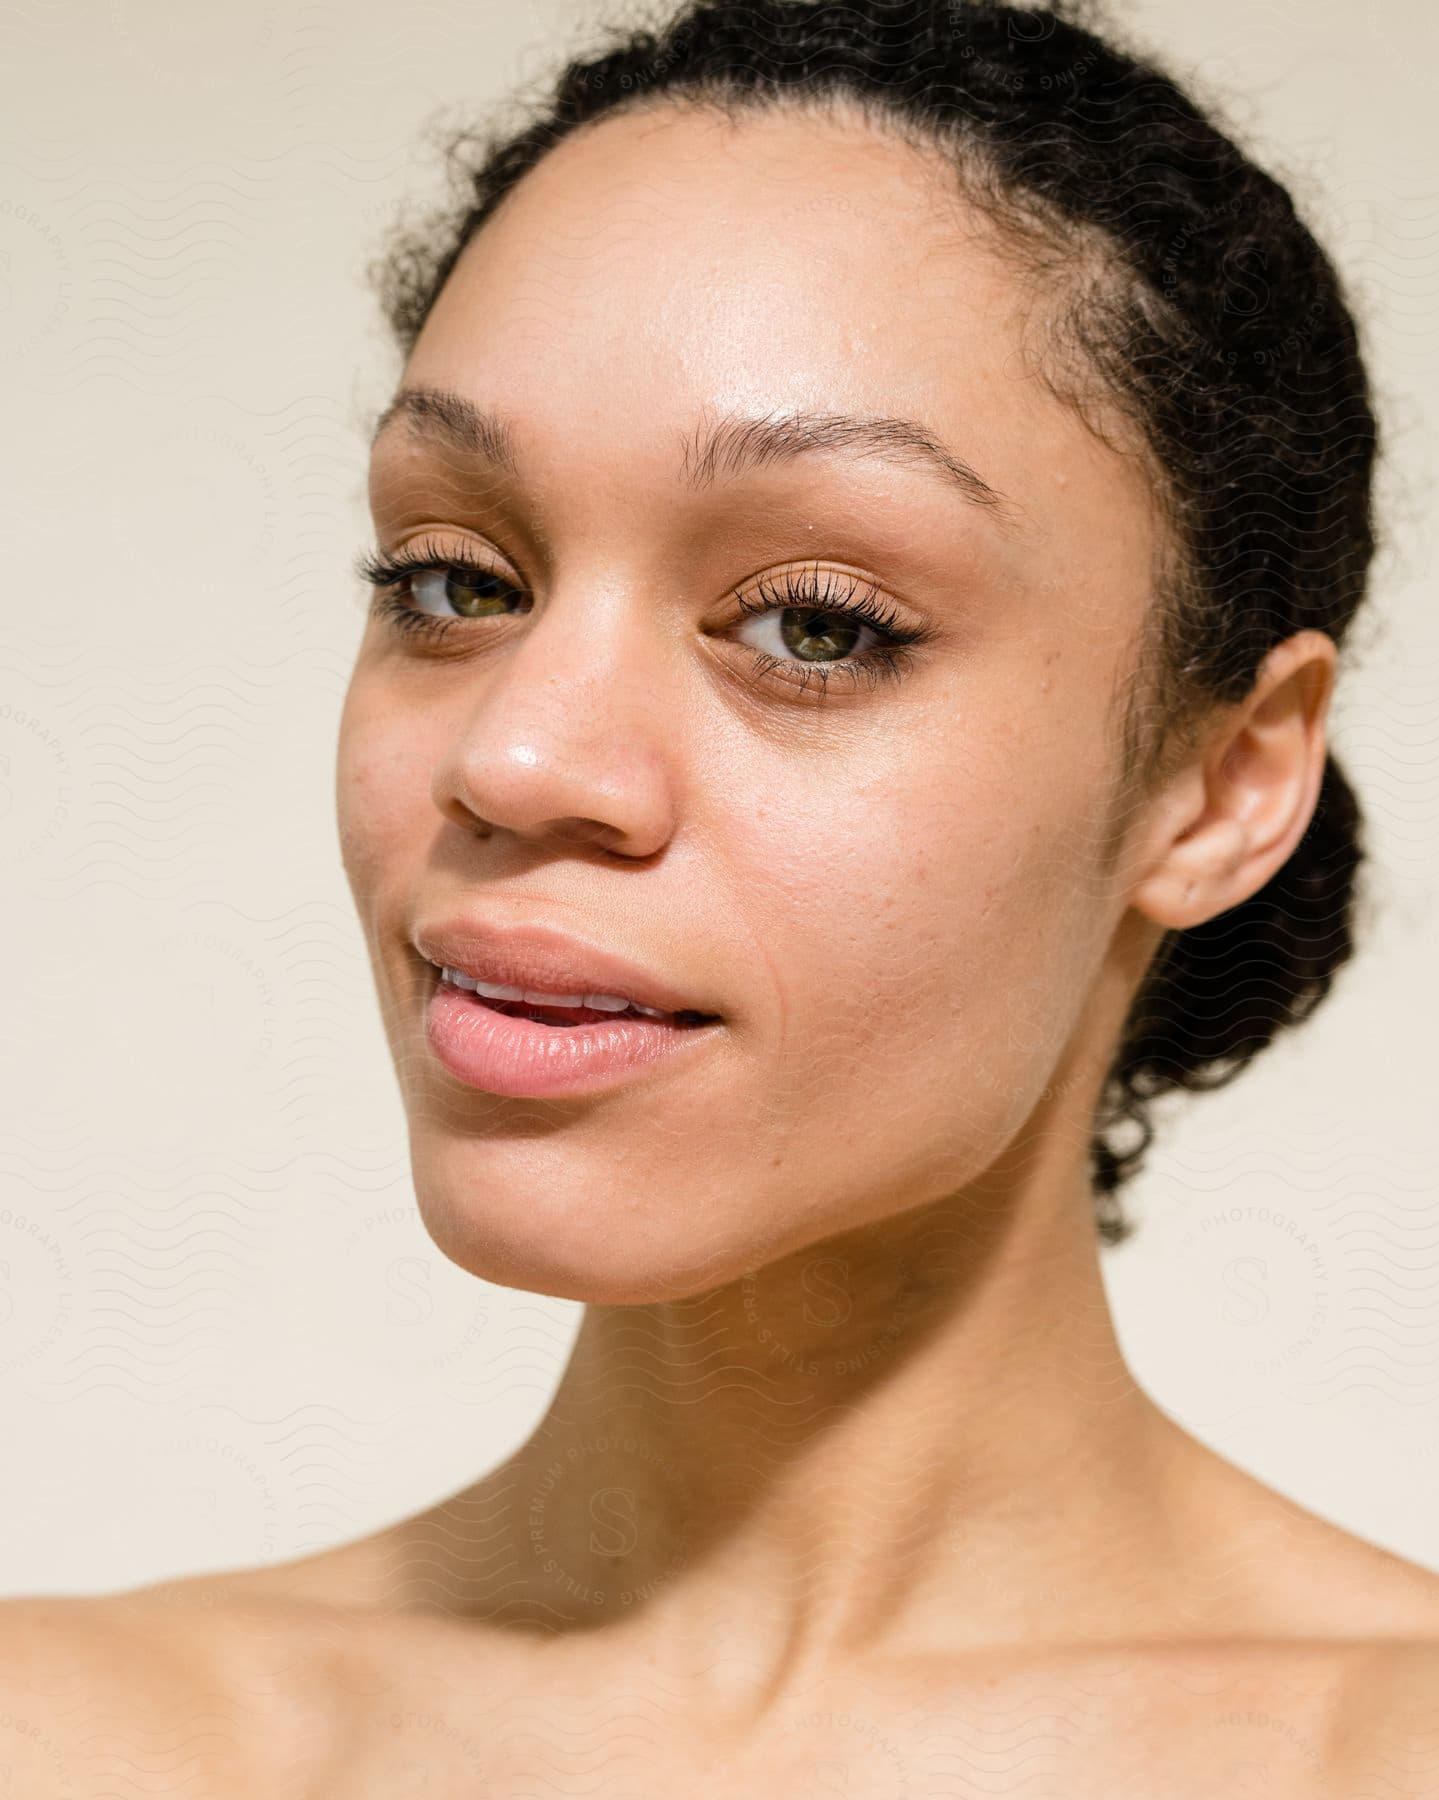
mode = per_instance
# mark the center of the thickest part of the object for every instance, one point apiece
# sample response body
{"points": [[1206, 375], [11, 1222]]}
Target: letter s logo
{"points": [[612, 1511], [834, 1304]]}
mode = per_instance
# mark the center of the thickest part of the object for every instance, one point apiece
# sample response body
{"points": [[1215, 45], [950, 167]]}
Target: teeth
{"points": [[495, 990]]}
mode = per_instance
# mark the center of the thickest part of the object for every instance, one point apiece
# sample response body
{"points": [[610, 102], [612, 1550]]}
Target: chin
{"points": [[593, 1238], [598, 1269]]}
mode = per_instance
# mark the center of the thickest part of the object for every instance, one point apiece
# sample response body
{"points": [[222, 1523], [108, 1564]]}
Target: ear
{"points": [[1232, 815]]}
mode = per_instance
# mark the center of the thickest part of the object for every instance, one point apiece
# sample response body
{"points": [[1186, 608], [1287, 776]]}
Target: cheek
{"points": [[382, 783], [931, 943]]}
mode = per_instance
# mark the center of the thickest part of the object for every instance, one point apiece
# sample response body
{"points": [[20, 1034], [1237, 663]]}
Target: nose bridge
{"points": [[566, 734]]}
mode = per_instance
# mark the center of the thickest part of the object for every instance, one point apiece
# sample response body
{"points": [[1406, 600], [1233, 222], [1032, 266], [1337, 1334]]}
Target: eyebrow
{"points": [[716, 449]]}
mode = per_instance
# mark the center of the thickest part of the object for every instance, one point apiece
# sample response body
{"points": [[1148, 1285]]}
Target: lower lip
{"points": [[525, 1060]]}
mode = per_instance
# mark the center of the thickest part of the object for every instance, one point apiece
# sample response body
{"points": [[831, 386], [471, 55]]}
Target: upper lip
{"points": [[544, 959]]}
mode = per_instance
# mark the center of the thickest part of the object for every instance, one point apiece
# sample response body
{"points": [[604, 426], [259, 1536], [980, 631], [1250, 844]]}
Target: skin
{"points": [[847, 1355]]}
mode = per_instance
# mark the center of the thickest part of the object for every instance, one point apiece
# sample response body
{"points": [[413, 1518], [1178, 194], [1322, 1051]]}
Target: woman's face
{"points": [[896, 893]]}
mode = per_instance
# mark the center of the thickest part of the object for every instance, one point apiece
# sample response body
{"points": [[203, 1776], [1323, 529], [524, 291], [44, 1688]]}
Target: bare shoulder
{"points": [[79, 1684], [119, 1694], [1378, 1614], [1385, 1732]]}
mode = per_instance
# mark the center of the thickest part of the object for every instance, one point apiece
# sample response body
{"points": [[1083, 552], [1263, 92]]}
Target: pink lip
{"points": [[524, 1059], [542, 958]]}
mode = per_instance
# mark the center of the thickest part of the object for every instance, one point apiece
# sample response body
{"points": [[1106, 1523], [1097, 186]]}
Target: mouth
{"points": [[551, 1049], [562, 1013]]}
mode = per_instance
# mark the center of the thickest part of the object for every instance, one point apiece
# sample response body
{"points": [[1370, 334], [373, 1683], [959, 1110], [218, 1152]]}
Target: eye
{"points": [[470, 592], [422, 590], [819, 617]]}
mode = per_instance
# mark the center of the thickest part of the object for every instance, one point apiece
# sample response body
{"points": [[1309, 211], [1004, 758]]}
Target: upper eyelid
{"points": [[862, 593], [472, 504]]}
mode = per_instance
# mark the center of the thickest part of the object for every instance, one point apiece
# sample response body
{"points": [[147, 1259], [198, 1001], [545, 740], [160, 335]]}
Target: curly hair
{"points": [[1189, 297]]}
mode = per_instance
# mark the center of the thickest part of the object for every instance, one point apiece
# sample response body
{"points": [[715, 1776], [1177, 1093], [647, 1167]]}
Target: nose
{"points": [[568, 737]]}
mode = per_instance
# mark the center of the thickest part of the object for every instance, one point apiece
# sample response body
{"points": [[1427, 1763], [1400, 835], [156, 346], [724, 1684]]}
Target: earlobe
{"points": [[1199, 876]]}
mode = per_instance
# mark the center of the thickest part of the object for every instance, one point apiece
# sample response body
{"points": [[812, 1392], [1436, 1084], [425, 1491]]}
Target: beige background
{"points": [[224, 1336]]}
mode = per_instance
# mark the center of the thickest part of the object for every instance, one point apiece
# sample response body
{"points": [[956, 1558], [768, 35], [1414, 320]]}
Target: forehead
{"points": [[669, 263]]}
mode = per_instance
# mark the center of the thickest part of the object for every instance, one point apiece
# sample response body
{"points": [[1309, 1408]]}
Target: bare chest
{"points": [[1119, 1727]]}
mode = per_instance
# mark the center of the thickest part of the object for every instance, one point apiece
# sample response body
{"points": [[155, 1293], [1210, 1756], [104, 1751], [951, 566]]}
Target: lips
{"points": [[498, 1048], [548, 1014], [541, 958]]}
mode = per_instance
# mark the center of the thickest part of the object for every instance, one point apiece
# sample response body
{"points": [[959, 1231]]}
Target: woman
{"points": [[864, 536]]}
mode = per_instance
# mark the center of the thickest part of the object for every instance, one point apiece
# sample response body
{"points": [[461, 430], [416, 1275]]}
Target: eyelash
{"points": [[827, 593]]}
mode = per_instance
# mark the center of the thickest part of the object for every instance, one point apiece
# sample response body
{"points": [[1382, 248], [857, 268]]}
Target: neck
{"points": [[918, 1436]]}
